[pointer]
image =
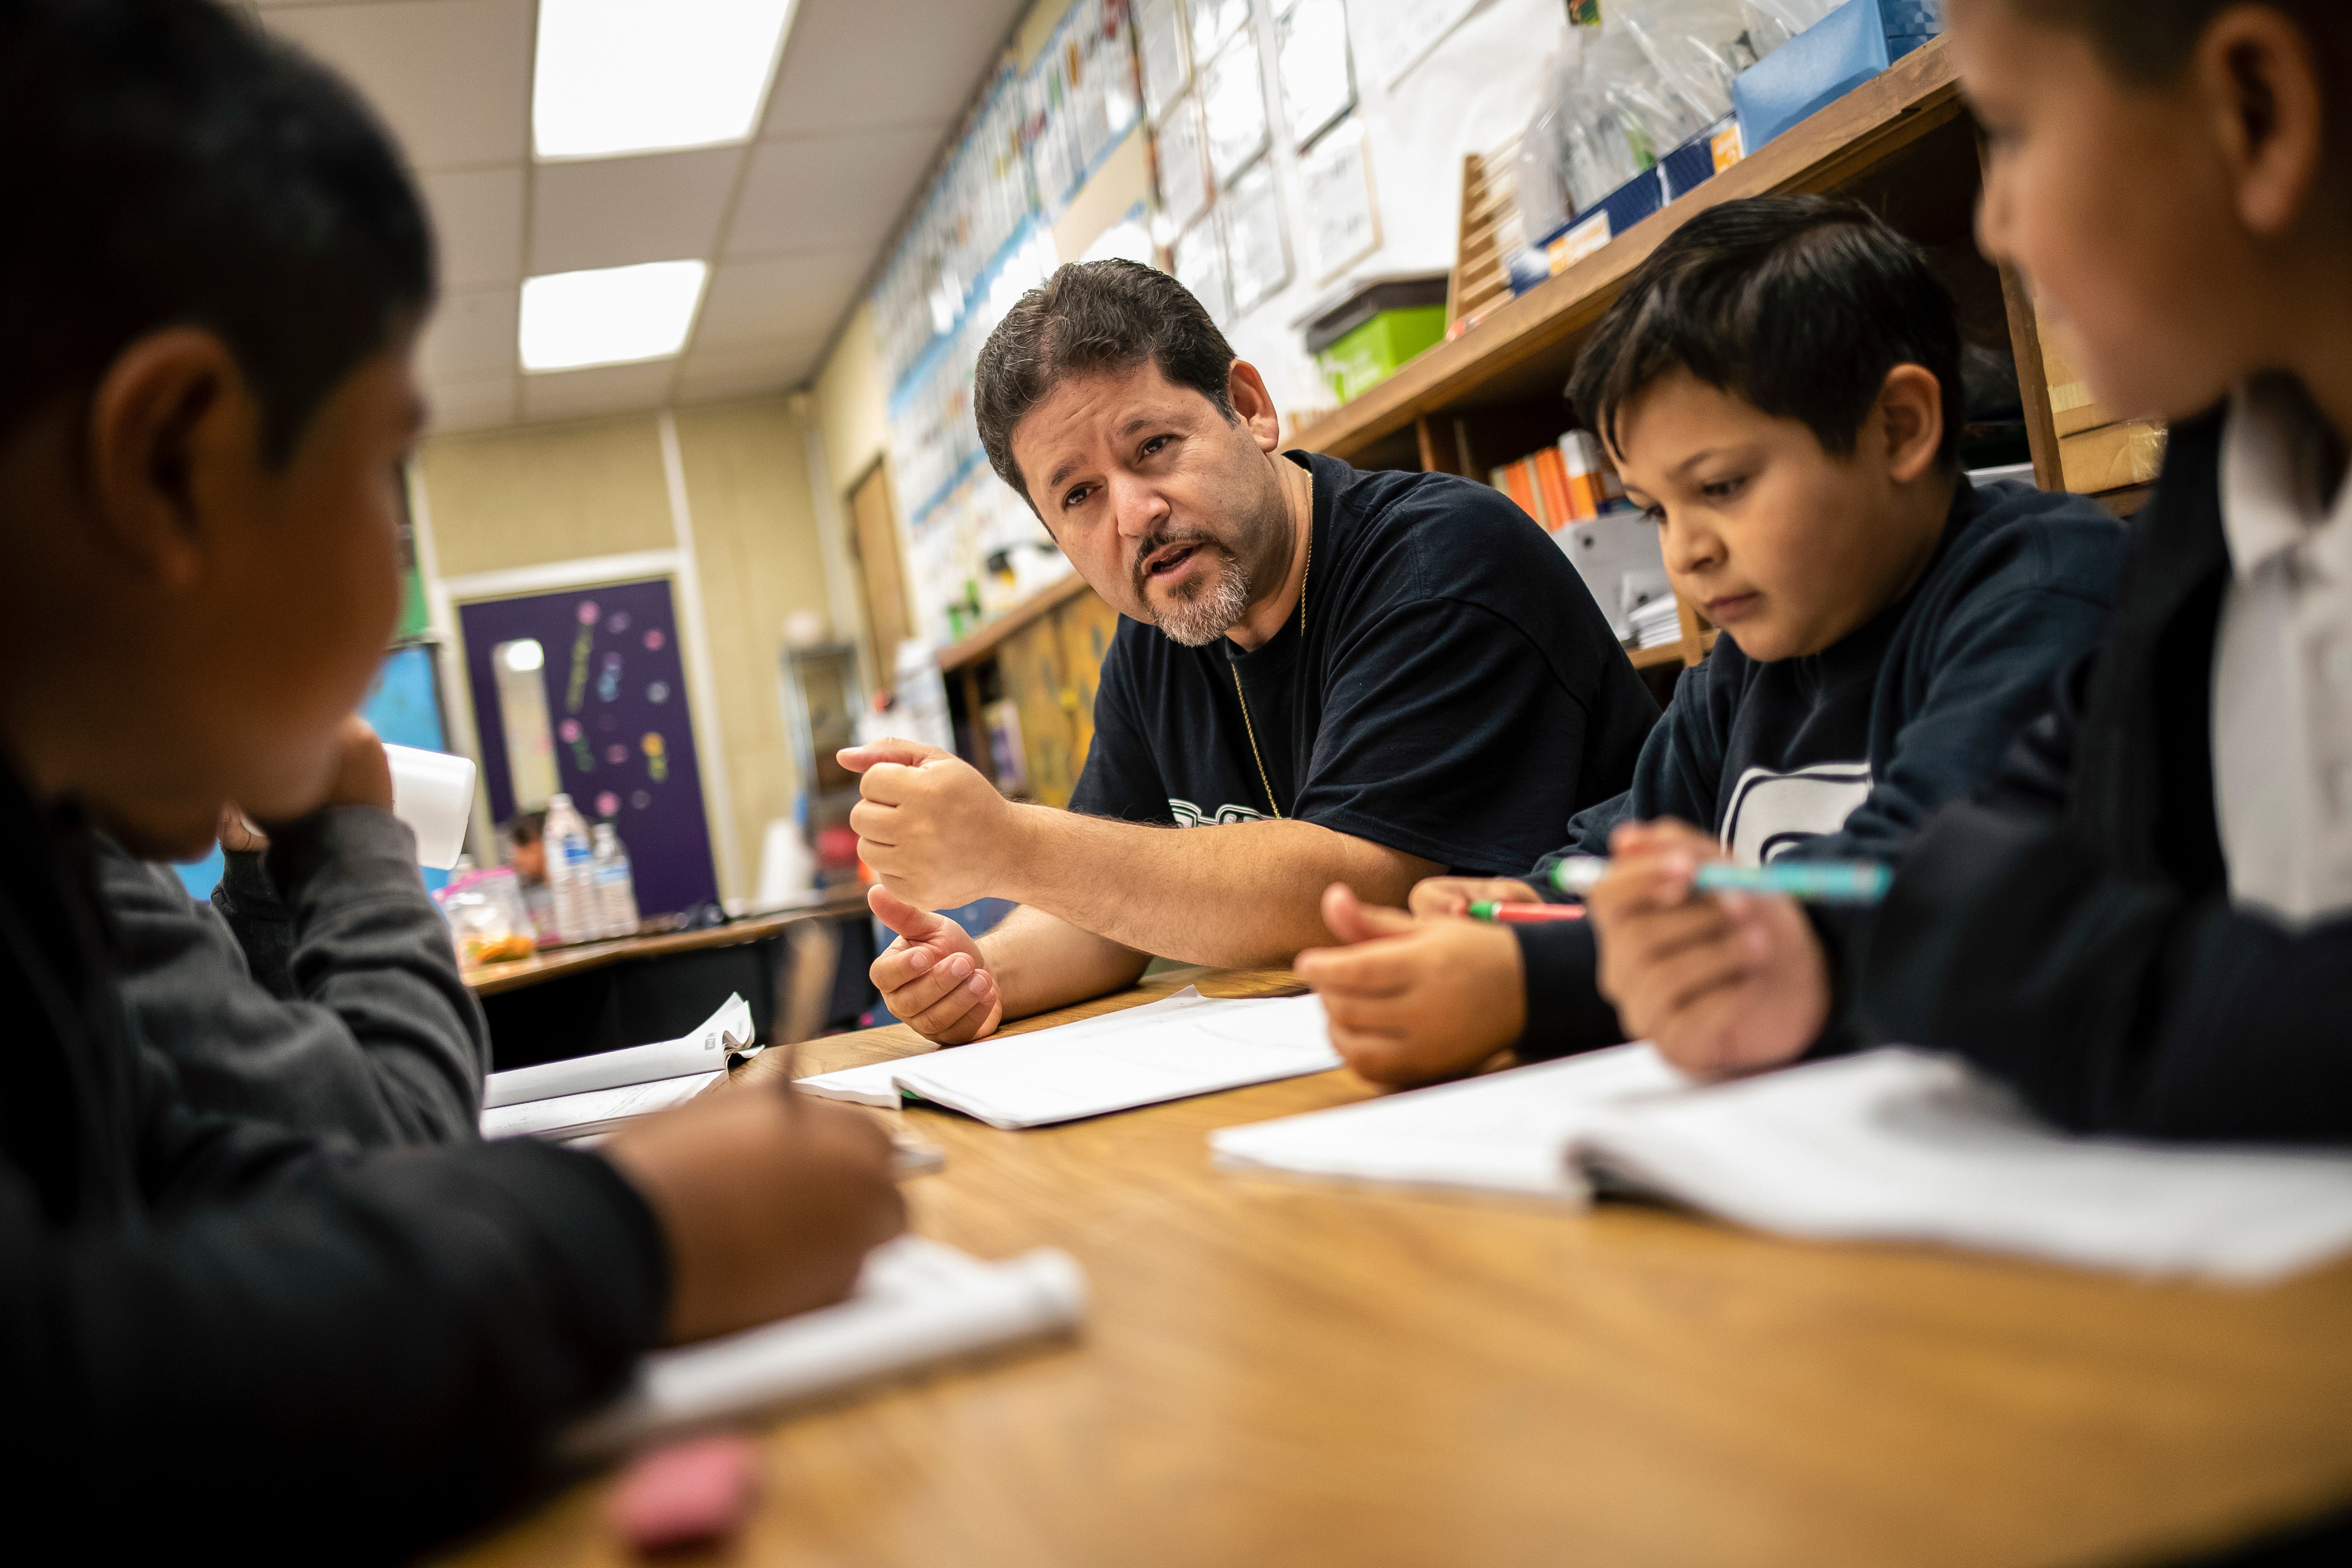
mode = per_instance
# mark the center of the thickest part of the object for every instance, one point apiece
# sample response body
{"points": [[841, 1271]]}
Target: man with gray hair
{"points": [[1325, 675]]}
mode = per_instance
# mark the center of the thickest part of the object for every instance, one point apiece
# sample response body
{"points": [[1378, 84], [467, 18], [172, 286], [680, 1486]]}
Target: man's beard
{"points": [[1201, 616]]}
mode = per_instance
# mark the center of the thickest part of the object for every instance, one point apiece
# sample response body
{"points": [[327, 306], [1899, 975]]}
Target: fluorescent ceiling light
{"points": [[643, 76], [612, 315]]}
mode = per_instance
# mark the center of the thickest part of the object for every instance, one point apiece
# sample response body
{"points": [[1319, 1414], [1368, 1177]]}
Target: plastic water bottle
{"points": [[616, 889], [571, 873]]}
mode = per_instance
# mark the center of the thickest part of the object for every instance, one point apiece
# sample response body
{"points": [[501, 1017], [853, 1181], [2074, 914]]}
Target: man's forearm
{"points": [[1240, 896], [1041, 960]]}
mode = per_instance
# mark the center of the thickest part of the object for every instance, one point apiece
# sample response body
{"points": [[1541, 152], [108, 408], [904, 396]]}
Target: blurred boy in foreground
{"points": [[212, 273]]}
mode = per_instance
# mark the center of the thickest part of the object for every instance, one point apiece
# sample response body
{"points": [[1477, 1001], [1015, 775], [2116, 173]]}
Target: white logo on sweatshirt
{"points": [[1187, 814], [1772, 812]]}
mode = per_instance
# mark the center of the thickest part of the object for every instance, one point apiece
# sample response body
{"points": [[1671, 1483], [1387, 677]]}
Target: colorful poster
{"points": [[624, 743]]}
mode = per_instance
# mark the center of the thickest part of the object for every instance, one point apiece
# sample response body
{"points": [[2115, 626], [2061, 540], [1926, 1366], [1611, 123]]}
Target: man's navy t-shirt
{"points": [[1456, 693]]}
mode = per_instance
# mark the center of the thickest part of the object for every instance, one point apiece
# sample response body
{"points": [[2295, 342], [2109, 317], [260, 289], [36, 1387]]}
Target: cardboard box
{"points": [[2113, 457]]}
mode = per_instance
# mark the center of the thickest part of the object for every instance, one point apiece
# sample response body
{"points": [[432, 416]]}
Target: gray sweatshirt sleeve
{"points": [[332, 1007]]}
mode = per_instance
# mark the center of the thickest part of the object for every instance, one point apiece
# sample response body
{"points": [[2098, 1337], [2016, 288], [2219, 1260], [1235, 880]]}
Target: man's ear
{"points": [[173, 432], [1911, 413], [2256, 74], [1254, 405]]}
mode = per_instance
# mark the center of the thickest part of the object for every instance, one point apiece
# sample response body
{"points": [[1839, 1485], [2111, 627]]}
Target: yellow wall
{"points": [[755, 540], [542, 495], [519, 498], [848, 398]]}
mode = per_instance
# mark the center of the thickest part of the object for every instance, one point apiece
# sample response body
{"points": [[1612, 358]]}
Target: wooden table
{"points": [[489, 979], [1278, 1373]]}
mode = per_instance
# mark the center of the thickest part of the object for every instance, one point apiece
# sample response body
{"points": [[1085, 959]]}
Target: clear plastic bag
{"points": [[487, 918]]}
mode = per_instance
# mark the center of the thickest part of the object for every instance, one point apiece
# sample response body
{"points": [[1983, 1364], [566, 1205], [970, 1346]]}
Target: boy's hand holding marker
{"points": [[1725, 984], [1412, 1000]]}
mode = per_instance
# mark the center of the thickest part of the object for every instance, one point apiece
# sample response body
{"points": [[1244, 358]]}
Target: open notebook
{"points": [[917, 1302], [1892, 1144], [1181, 1045], [593, 1094]]}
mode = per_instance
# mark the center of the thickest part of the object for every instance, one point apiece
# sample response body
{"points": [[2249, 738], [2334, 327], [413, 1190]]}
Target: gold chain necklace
{"points": [[1247, 728]]}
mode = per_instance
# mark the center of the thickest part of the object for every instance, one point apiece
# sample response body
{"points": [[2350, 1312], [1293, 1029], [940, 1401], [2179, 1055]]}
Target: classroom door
{"points": [[590, 679], [875, 537]]}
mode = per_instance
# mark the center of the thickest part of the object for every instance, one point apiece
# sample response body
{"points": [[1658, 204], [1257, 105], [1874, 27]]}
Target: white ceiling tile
{"points": [[765, 367], [615, 211], [478, 218], [609, 389], [471, 335], [451, 77], [858, 64], [472, 404], [751, 302], [825, 191]]}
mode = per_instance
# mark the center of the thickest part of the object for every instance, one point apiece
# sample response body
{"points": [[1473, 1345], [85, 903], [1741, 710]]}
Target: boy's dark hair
{"points": [[1798, 305], [2150, 41], [1091, 317], [527, 828], [169, 164]]}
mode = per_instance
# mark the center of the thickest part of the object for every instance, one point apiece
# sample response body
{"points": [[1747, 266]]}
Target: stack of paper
{"points": [[1186, 1045], [1894, 1145], [593, 1094], [917, 1302]]}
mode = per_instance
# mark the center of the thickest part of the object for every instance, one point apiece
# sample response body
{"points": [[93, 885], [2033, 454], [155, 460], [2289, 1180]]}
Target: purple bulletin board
{"points": [[624, 746]]}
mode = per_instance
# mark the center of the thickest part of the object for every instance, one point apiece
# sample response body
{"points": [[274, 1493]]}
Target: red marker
{"points": [[1524, 914]]}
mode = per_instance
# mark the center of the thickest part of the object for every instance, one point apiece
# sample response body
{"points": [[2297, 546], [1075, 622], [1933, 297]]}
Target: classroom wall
{"points": [[847, 398], [542, 495], [746, 471], [510, 498]]}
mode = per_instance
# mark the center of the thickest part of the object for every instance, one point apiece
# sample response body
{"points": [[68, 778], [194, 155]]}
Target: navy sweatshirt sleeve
{"points": [[367, 1033], [2123, 1003], [1678, 775], [360, 1364]]}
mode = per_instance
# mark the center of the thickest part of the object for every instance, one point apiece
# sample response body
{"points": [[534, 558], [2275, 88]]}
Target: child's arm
{"points": [[1411, 1001], [1723, 984], [336, 1008], [1436, 898]]}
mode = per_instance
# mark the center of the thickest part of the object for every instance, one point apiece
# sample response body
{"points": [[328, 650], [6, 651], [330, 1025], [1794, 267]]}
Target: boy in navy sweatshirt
{"points": [[1780, 386], [2145, 925]]}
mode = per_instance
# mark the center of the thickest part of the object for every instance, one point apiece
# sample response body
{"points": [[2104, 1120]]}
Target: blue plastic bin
{"points": [[1826, 61]]}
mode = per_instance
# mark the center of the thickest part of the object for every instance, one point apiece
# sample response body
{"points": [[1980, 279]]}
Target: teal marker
{"points": [[1813, 882]]}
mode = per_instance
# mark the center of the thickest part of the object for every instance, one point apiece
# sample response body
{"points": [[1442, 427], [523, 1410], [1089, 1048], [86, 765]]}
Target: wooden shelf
{"points": [[983, 643], [1674, 652], [1531, 341]]}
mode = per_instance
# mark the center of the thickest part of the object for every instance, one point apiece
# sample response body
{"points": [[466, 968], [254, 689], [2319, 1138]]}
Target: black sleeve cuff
{"points": [[1842, 934], [1566, 1012]]}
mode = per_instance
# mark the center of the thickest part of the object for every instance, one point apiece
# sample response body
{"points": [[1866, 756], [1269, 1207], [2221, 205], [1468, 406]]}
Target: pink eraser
{"points": [[692, 1491]]}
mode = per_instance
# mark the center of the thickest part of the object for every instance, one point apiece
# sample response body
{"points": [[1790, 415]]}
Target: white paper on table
{"points": [[917, 1302], [572, 1116], [877, 1083], [1506, 1131], [1172, 1050], [702, 1052], [1894, 1144], [1906, 1145]]}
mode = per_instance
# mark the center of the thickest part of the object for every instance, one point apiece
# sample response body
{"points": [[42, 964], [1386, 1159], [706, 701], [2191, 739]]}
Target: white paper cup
{"points": [[433, 794]]}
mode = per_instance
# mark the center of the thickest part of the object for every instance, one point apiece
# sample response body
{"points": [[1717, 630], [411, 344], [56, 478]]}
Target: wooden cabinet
{"points": [[1038, 664]]}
